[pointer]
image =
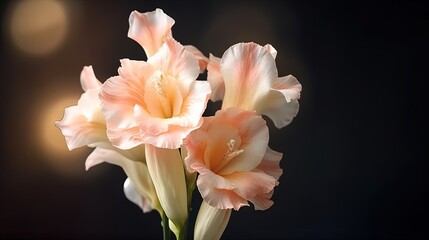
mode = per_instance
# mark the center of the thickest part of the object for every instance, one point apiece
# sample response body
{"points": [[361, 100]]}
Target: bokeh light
{"points": [[38, 27], [52, 142]]}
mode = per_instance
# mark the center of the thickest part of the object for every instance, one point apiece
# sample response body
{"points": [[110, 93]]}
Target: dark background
{"points": [[355, 157]]}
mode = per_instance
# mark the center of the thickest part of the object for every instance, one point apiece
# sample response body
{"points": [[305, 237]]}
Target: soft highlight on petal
{"points": [[150, 29], [134, 196]]}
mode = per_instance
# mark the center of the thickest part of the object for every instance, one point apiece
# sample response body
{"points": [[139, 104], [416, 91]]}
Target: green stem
{"points": [[165, 227], [183, 232]]}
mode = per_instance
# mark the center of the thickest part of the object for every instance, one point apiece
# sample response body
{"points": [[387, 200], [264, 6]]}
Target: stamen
{"points": [[159, 82], [232, 152]]}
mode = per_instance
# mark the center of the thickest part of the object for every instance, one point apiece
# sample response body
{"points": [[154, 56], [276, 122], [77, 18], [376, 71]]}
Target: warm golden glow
{"points": [[38, 26], [52, 142], [52, 138]]}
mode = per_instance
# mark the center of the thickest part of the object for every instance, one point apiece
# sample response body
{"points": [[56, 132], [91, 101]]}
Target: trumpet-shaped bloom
{"points": [[150, 29], [157, 102], [247, 77], [84, 125], [229, 151], [211, 222]]}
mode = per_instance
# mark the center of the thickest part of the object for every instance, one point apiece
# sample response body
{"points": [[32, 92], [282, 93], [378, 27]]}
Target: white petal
{"points": [[281, 104], [271, 49], [134, 196]]}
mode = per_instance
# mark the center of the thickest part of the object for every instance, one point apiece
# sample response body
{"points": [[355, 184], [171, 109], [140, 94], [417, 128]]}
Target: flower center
{"points": [[159, 83], [232, 151]]}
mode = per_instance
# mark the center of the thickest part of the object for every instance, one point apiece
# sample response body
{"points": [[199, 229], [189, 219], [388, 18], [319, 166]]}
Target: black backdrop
{"points": [[354, 158]]}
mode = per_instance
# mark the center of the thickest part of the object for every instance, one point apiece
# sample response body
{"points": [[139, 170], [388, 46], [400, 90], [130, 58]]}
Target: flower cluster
{"points": [[148, 120]]}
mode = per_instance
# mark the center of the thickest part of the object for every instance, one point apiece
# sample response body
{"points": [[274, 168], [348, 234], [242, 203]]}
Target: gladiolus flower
{"points": [[247, 77], [211, 222], [84, 125], [228, 151], [157, 102]]}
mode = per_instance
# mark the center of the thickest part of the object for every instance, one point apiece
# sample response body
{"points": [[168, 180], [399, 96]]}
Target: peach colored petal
{"points": [[149, 29], [155, 103], [226, 151], [134, 196], [254, 137], [124, 138], [174, 61], [83, 124], [196, 144], [119, 96], [289, 87], [211, 222], [88, 79], [170, 132], [218, 192], [166, 170], [195, 102], [135, 72], [167, 104], [214, 77], [281, 104], [271, 50], [78, 132], [90, 106], [270, 163], [262, 201], [248, 71], [202, 60], [250, 184], [251, 82]]}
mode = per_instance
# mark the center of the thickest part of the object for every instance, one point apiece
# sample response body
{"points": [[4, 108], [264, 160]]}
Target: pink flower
{"points": [[157, 102], [84, 125], [150, 29], [247, 77], [230, 152]]}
